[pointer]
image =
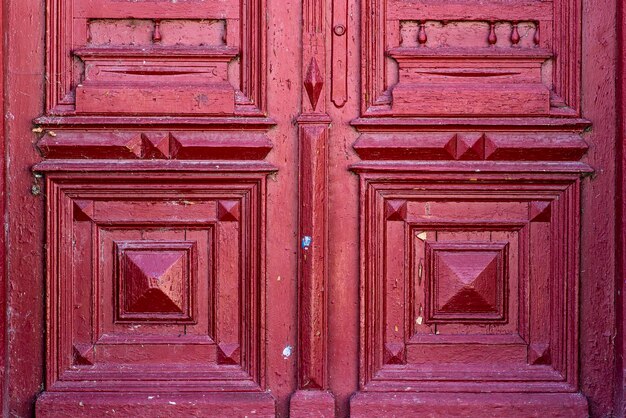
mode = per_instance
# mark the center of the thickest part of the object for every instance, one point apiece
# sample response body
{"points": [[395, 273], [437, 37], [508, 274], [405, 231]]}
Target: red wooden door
{"points": [[316, 208]]}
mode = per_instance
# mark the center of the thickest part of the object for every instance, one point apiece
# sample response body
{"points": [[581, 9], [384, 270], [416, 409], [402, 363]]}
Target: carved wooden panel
{"points": [[466, 145], [153, 139], [154, 281], [154, 144], [155, 58], [475, 58], [155, 278], [466, 282], [470, 280]]}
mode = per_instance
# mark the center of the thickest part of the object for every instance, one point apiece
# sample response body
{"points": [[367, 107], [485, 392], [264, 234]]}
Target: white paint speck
{"points": [[287, 352], [172, 403]]}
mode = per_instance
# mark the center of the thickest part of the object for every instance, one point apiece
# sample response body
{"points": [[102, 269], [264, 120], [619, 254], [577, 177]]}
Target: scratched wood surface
{"points": [[281, 208]]}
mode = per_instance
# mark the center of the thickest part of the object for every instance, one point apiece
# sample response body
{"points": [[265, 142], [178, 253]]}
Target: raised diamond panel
{"points": [[155, 280], [466, 281]]}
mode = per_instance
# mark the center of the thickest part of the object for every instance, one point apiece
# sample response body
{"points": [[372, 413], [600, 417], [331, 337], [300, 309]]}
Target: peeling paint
{"points": [[287, 352]]}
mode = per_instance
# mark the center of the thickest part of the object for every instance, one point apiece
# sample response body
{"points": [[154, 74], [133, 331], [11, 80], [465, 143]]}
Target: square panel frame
{"points": [[551, 201], [236, 201]]}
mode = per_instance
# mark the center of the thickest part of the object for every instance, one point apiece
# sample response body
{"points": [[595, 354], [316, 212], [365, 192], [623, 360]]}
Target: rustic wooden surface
{"points": [[620, 224], [312, 313]]}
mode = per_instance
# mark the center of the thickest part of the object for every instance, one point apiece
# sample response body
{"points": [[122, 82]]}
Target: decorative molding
{"points": [[154, 144], [552, 29], [339, 67], [465, 82], [312, 258], [155, 281], [313, 83], [395, 210], [228, 210], [540, 211], [313, 123], [466, 282], [85, 43], [471, 145], [157, 244], [478, 266]]}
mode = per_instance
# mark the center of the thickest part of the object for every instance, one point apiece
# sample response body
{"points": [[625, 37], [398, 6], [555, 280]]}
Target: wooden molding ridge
{"points": [[313, 125]]}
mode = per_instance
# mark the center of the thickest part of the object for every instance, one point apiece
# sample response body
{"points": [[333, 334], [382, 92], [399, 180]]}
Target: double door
{"points": [[258, 207]]}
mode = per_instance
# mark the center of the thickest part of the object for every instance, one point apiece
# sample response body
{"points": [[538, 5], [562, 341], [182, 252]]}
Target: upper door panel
{"points": [[154, 57], [470, 58]]}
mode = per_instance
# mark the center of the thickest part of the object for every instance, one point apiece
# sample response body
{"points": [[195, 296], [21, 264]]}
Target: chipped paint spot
{"points": [[287, 352], [306, 242]]}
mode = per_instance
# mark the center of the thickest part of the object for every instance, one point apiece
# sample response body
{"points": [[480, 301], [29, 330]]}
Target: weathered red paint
{"points": [[620, 224], [273, 208]]}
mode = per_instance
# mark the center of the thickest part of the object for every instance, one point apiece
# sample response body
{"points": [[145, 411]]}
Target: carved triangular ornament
{"points": [[313, 83], [228, 353], [83, 354], [539, 353], [394, 353], [470, 147], [83, 210], [396, 210], [540, 211], [228, 210]]}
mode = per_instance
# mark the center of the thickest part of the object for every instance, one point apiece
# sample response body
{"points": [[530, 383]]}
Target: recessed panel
{"points": [[426, 58], [145, 58], [156, 288], [460, 283]]}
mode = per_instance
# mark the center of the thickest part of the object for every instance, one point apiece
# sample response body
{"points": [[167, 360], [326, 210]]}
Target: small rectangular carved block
{"points": [[463, 82], [150, 81]]}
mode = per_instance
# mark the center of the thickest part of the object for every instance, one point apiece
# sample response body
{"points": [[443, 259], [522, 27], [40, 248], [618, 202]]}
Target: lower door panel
{"points": [[469, 291], [155, 290]]}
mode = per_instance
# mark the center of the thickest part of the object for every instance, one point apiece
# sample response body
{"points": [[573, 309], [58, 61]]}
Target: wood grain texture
{"points": [[597, 203], [4, 381], [312, 258], [491, 405], [620, 224], [474, 126], [24, 54]]}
